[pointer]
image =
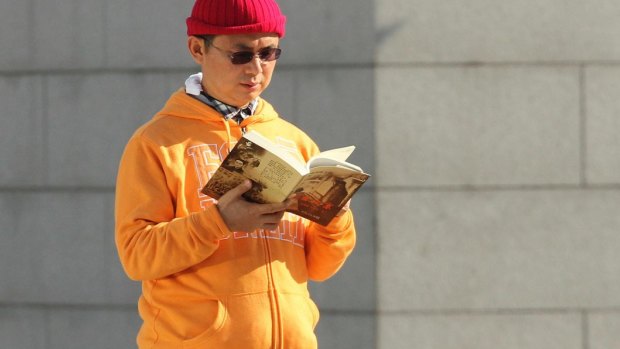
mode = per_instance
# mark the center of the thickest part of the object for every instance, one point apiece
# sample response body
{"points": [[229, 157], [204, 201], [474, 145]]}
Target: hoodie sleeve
{"points": [[152, 243], [327, 247]]}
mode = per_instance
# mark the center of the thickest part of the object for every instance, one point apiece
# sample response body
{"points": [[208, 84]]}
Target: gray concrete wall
{"points": [[490, 128], [76, 79], [499, 228]]}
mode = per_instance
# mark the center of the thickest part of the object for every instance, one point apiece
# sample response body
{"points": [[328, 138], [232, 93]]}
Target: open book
{"points": [[322, 186]]}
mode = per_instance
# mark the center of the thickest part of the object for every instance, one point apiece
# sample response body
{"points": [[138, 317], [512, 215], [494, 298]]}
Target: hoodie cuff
{"points": [[338, 227], [211, 222]]}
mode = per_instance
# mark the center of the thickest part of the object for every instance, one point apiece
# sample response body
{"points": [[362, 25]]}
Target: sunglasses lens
{"points": [[242, 57], [269, 54], [265, 55]]}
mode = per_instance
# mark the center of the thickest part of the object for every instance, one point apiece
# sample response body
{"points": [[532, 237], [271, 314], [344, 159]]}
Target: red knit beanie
{"points": [[222, 17]]}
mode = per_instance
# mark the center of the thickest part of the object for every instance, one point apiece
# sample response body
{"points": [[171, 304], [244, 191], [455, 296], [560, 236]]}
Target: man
{"points": [[227, 273]]}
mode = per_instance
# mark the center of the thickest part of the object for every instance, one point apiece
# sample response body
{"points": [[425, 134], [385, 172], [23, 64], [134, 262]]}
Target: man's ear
{"points": [[196, 48]]}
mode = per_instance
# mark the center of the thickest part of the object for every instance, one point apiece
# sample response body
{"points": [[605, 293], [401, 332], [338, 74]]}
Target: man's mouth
{"points": [[251, 85]]}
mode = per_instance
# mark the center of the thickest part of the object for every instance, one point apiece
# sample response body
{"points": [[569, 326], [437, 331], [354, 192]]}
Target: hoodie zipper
{"points": [[273, 294], [228, 133], [277, 332]]}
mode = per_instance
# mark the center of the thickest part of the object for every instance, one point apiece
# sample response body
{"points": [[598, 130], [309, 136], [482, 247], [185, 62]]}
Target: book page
{"points": [[338, 154], [265, 143], [324, 191], [272, 178], [334, 157]]}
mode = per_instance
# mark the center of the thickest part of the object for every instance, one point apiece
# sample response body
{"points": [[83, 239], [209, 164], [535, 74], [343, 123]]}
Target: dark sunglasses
{"points": [[266, 54]]}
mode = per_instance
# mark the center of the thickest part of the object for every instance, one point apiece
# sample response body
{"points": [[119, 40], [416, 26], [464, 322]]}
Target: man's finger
{"points": [[238, 190], [344, 209], [273, 217], [270, 227], [273, 208]]}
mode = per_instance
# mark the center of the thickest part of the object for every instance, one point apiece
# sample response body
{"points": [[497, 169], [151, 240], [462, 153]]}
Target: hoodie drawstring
{"points": [[229, 136], [227, 133]]}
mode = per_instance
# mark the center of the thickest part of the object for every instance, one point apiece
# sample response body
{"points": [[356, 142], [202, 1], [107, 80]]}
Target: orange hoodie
{"points": [[204, 286]]}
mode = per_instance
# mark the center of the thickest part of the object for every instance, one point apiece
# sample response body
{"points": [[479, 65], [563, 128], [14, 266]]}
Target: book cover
{"points": [[322, 187]]}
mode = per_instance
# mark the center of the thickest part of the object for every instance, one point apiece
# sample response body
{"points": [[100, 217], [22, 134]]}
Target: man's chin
{"points": [[247, 98]]}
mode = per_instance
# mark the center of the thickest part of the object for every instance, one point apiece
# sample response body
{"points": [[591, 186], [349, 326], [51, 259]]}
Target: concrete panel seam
{"points": [[67, 306], [585, 330], [106, 30], [574, 64], [95, 71], [350, 312], [56, 189], [178, 69], [495, 312], [500, 188], [583, 130], [32, 47], [45, 137]]}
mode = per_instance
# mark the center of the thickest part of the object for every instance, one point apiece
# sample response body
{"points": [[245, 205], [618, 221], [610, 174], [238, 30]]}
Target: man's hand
{"points": [[245, 216], [344, 209]]}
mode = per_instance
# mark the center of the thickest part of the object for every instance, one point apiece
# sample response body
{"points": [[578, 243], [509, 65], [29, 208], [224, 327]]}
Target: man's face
{"points": [[239, 84]]}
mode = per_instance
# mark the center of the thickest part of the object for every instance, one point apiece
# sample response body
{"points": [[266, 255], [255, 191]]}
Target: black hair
{"points": [[208, 39]]}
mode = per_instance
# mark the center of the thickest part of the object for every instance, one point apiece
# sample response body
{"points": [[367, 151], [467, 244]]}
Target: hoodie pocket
{"points": [[300, 317], [209, 334], [314, 310], [299, 309]]}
